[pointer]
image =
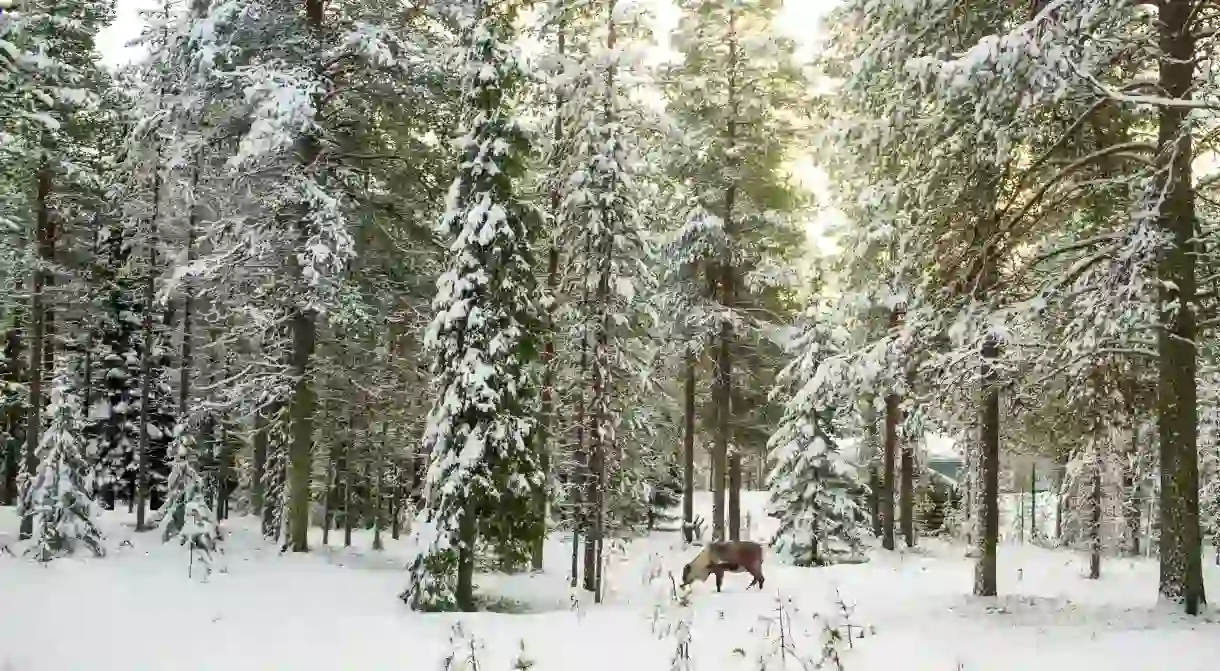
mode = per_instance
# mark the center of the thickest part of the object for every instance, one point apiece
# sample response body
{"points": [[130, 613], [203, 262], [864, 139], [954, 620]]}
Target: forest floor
{"points": [[336, 609]]}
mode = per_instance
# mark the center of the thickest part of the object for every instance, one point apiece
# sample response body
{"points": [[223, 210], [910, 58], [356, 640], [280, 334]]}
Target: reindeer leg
{"points": [[719, 579]]}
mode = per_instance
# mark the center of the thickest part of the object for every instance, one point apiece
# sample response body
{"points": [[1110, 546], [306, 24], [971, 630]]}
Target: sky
{"points": [[798, 21]]}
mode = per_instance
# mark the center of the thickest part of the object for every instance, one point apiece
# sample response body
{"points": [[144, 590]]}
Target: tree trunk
{"points": [[989, 467], [377, 496], [1181, 567], [12, 446], [1033, 502], [724, 362], [345, 469], [146, 377], [1095, 501], [906, 494], [46, 251], [874, 497], [304, 337], [303, 405], [887, 471], [688, 451], [548, 351], [328, 501], [396, 504], [735, 496]]}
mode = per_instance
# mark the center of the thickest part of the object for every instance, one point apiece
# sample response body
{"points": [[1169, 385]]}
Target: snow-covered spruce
{"points": [[814, 488], [479, 431], [57, 495], [186, 513]]}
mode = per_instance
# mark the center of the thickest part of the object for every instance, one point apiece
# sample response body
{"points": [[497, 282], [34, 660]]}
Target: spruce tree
{"points": [[57, 497], [484, 466], [813, 486], [186, 514]]}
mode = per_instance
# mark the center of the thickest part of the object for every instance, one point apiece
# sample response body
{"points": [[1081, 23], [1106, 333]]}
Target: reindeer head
{"points": [[698, 569]]}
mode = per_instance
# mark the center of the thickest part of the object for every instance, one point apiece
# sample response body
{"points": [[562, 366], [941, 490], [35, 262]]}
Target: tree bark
{"points": [[887, 471], [735, 495], [345, 467], [1095, 501], [906, 494], [989, 466], [304, 337], [548, 348], [724, 361], [1181, 568], [12, 447], [46, 251], [688, 450], [146, 376]]}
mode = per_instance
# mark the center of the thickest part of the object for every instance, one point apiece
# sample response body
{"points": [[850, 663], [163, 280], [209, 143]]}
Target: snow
{"points": [[338, 608]]}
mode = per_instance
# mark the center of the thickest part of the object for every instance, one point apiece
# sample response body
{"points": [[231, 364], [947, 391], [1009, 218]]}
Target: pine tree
{"points": [[813, 486], [478, 438], [57, 496], [186, 513]]}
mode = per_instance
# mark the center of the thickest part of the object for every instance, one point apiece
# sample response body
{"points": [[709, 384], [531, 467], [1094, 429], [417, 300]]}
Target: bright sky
{"points": [[798, 21]]}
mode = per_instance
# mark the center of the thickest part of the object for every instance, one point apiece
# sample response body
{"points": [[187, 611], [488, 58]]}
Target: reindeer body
{"points": [[718, 557]]}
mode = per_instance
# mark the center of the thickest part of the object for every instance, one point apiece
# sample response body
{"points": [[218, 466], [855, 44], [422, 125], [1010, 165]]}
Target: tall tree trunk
{"points": [[396, 504], [1095, 502], [1181, 567], [548, 349], [724, 362], [146, 381], [377, 495], [348, 519], [303, 405], [12, 419], [887, 471], [989, 470], [1033, 502], [906, 493], [328, 501], [304, 339], [688, 450], [46, 250], [734, 495]]}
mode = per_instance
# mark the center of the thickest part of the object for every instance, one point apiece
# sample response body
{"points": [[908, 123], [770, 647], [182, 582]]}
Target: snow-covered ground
{"points": [[337, 608]]}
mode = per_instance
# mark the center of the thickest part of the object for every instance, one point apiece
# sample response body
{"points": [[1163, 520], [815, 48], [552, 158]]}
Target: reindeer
{"points": [[718, 557]]}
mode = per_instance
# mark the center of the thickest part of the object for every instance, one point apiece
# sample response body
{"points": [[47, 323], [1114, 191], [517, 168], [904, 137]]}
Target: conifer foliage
{"points": [[813, 486], [186, 513], [57, 498], [479, 431]]}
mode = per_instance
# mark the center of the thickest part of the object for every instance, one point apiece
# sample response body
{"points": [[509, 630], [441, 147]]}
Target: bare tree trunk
{"points": [[989, 467], [332, 494], [724, 362], [345, 468], [735, 495], [688, 450], [396, 504], [1095, 501], [46, 252], [548, 351], [887, 472], [304, 338], [1181, 567], [906, 494], [377, 495], [146, 374], [12, 376]]}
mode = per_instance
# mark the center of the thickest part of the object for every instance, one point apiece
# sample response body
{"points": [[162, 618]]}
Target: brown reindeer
{"points": [[718, 557]]}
